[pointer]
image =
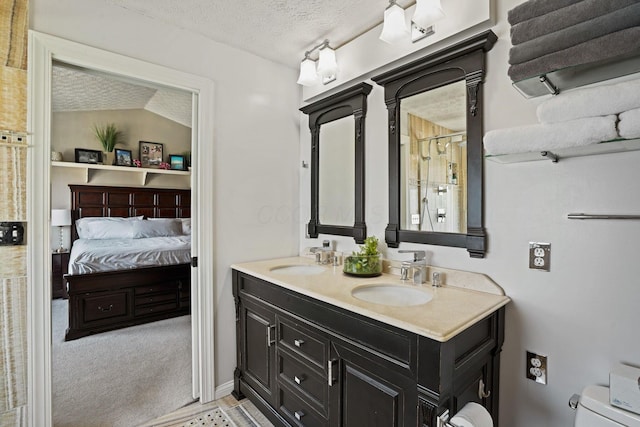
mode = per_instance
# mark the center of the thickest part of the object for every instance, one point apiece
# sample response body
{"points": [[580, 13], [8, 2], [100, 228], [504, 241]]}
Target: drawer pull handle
{"points": [[299, 379], [105, 309], [298, 343], [330, 378], [270, 339], [482, 394], [299, 415]]}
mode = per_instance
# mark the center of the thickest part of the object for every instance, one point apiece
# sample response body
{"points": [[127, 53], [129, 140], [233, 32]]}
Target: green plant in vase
{"points": [[366, 262], [109, 136]]}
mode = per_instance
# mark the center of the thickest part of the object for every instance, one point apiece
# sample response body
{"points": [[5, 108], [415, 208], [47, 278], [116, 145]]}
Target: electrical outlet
{"points": [[537, 367], [539, 256]]}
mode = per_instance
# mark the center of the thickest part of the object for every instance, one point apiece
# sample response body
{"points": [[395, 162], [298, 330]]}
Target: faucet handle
{"points": [[417, 255]]}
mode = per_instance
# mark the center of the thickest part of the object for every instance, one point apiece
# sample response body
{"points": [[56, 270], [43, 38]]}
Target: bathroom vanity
{"points": [[310, 353]]}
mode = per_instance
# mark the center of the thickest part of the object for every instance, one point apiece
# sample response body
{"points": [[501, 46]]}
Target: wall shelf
{"points": [[142, 172], [557, 81], [615, 146]]}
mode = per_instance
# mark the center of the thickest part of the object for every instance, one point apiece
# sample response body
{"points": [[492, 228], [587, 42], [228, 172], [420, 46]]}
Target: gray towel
{"points": [[533, 8], [602, 25], [621, 43], [564, 17]]}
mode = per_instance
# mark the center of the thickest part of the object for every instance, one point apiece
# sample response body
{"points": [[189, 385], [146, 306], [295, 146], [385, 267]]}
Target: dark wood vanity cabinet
{"points": [[304, 362]]}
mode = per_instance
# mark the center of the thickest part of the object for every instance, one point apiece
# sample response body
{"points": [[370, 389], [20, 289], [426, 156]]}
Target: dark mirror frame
{"points": [[349, 102], [463, 61]]}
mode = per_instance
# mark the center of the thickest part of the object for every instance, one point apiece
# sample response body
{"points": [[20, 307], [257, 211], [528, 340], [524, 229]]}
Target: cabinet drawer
{"points": [[312, 387], [301, 340], [158, 287], [104, 307], [297, 411], [154, 299], [153, 309]]}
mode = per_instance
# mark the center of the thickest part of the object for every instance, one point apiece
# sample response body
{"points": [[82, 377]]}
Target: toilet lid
{"points": [[596, 399]]}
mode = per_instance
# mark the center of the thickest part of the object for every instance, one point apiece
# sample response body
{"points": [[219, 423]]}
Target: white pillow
{"points": [[106, 227], [186, 226], [157, 228]]}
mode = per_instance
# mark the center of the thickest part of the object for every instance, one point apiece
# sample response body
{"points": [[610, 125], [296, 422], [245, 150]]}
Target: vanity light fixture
{"points": [[326, 69], [427, 13], [394, 28]]}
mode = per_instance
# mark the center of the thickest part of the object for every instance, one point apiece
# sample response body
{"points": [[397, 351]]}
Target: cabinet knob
{"points": [[299, 379], [105, 309], [298, 343], [299, 415]]}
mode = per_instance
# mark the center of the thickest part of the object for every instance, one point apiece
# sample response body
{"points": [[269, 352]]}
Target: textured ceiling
{"points": [[444, 106], [279, 30], [77, 89]]}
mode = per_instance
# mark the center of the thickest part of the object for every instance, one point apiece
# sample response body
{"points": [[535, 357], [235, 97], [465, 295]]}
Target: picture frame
{"points": [[93, 157], [151, 154], [123, 157], [177, 162]]}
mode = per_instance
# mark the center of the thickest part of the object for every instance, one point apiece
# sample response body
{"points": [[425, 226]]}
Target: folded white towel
{"points": [[629, 125], [543, 137], [591, 102]]}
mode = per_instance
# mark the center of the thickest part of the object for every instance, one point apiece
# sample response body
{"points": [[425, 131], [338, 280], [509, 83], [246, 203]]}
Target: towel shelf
{"points": [[591, 216], [616, 146], [580, 75]]}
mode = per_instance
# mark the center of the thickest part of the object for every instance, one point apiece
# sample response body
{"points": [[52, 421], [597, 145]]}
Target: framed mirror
{"points": [[337, 163], [435, 147]]}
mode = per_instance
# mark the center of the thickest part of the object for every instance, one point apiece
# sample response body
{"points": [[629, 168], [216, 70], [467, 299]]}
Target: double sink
{"points": [[391, 294]]}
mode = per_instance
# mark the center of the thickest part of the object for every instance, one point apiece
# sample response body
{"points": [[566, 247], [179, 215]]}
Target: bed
{"points": [[130, 261]]}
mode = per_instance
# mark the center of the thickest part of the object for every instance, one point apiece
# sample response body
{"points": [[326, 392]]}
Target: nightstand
{"points": [[59, 266]]}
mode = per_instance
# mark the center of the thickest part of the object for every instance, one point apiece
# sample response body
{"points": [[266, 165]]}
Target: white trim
{"points": [[224, 390], [43, 49]]}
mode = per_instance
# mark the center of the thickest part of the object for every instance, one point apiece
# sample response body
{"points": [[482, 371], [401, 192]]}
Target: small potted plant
{"points": [[366, 262], [109, 136]]}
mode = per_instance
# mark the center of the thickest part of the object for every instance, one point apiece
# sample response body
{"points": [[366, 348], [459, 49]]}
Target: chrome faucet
{"points": [[417, 267], [324, 254]]}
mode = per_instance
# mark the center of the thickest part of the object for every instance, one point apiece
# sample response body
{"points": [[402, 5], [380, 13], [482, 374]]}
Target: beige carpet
{"points": [[120, 378]]}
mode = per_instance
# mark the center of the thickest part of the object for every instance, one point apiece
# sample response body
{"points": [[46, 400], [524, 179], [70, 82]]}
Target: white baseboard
{"points": [[224, 389]]}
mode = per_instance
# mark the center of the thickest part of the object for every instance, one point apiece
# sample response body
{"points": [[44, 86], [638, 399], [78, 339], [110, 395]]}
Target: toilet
{"points": [[594, 410]]}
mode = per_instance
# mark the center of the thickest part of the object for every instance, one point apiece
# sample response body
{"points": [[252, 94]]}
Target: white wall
{"points": [[584, 313], [256, 136]]}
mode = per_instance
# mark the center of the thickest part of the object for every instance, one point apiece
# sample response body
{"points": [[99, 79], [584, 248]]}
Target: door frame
{"points": [[43, 49]]}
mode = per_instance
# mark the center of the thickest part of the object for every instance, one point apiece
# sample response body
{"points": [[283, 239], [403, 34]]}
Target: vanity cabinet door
{"points": [[257, 347], [367, 392]]}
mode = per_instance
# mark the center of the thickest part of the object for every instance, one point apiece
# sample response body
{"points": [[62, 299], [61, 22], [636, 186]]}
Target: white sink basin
{"points": [[389, 294], [298, 270]]}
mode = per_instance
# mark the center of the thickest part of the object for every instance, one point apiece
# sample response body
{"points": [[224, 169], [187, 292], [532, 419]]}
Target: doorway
{"points": [[43, 51]]}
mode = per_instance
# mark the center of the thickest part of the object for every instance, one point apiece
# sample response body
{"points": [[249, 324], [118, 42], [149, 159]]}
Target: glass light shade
{"points": [[327, 65], [308, 75], [395, 27], [427, 13]]}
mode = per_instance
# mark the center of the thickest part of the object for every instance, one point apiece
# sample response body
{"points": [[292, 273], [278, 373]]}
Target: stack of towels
{"points": [[549, 35], [576, 118]]}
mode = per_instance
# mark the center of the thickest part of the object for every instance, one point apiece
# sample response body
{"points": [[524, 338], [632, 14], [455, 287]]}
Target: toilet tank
{"points": [[594, 410]]}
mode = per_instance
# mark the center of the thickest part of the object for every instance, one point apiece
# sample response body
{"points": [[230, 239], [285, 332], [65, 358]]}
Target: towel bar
{"points": [[590, 216]]}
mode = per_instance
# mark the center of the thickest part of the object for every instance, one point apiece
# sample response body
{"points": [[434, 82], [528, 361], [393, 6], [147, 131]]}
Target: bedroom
{"points": [[82, 100]]}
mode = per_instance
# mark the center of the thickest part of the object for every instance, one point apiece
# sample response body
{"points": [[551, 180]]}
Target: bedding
{"points": [[106, 227], [96, 255]]}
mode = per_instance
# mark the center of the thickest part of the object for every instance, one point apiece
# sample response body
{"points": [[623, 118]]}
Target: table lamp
{"points": [[60, 218]]}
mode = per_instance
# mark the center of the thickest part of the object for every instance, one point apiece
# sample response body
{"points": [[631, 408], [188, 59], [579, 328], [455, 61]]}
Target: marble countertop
{"points": [[451, 310]]}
